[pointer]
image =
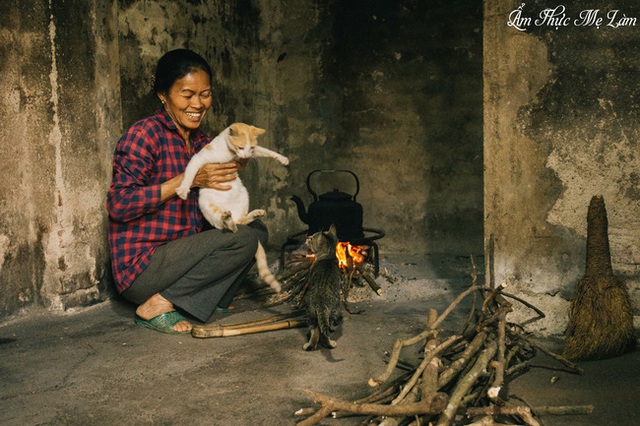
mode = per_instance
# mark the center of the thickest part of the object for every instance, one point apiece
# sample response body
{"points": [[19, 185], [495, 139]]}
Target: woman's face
{"points": [[188, 100]]}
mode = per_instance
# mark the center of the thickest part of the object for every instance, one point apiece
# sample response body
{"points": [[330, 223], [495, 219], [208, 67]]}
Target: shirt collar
{"points": [[165, 119]]}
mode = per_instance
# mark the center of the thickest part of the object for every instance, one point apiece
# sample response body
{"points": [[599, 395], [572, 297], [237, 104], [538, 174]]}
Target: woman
{"points": [[161, 257]]}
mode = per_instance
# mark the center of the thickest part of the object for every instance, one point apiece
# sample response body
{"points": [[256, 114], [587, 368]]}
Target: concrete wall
{"points": [[412, 78], [389, 89], [561, 125], [60, 110]]}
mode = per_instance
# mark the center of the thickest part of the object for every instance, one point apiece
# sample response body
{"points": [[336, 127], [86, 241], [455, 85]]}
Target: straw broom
{"points": [[601, 315]]}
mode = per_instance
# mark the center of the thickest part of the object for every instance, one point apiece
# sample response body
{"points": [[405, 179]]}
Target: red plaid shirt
{"points": [[151, 152]]}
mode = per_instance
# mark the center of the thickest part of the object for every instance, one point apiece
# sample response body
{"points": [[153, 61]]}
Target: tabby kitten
{"points": [[323, 294]]}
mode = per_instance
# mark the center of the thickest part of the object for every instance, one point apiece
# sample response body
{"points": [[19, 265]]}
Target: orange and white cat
{"points": [[227, 209]]}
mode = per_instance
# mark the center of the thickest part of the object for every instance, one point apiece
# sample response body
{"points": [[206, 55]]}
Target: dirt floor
{"points": [[94, 366]]}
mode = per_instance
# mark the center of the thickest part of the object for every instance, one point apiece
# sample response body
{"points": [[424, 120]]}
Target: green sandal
{"points": [[163, 323]]}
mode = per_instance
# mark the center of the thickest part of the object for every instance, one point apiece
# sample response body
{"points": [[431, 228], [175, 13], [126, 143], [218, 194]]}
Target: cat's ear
{"points": [[232, 131], [258, 131], [333, 231]]}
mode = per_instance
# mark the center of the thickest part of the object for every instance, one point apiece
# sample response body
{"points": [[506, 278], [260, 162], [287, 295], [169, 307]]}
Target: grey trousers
{"points": [[200, 272]]}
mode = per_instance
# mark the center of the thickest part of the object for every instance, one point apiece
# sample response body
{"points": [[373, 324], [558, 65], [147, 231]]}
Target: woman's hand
{"points": [[209, 176], [216, 176]]}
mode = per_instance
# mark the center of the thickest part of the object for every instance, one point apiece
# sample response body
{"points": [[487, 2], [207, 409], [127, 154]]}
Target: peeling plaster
{"points": [[61, 235]]}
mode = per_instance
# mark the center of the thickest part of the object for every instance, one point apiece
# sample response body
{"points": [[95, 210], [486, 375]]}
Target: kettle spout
{"points": [[302, 213]]}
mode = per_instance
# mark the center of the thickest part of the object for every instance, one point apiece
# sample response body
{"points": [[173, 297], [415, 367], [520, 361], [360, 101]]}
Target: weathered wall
{"points": [[411, 73], [561, 125], [57, 81]]}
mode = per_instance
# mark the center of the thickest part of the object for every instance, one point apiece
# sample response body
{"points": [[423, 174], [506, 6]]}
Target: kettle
{"points": [[334, 207]]}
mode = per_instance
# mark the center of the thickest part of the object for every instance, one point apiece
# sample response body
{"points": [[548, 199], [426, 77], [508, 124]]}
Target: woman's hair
{"points": [[174, 65]]}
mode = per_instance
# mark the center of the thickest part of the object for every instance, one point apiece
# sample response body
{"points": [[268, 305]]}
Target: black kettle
{"points": [[334, 207]]}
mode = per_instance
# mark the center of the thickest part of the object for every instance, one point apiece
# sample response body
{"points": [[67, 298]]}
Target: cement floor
{"points": [[95, 367]]}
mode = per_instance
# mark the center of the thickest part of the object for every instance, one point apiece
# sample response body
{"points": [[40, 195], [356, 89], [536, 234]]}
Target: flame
{"points": [[349, 255]]}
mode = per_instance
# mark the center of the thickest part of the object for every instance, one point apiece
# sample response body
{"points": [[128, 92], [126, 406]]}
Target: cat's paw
{"points": [[308, 347], [283, 160], [258, 213], [228, 221], [183, 192]]}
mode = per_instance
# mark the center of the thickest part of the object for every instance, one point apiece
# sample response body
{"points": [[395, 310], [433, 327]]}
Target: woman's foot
{"points": [[158, 305]]}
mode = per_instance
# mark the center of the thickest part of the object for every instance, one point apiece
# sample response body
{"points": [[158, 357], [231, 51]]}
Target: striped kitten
{"points": [[323, 303]]}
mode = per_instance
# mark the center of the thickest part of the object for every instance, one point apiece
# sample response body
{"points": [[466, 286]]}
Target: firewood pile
{"points": [[462, 376]]}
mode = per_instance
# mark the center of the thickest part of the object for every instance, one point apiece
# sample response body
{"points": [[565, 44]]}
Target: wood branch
{"points": [[562, 410], [491, 261], [391, 364], [430, 331], [323, 412], [447, 375], [427, 359], [369, 279], [472, 311], [465, 383], [429, 384], [521, 411], [411, 398], [453, 305], [528, 305], [498, 381], [433, 405], [572, 367]]}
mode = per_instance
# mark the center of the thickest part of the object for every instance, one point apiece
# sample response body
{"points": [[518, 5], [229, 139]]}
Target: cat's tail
{"points": [[264, 271], [328, 320]]}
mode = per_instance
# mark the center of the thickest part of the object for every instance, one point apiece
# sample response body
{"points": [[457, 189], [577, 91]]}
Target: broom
{"points": [[601, 315]]}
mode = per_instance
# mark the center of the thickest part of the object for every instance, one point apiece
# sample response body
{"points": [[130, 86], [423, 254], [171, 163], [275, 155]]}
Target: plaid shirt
{"points": [[151, 152]]}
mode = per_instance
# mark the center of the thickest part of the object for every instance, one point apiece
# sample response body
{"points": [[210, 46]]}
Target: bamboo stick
{"points": [[222, 331]]}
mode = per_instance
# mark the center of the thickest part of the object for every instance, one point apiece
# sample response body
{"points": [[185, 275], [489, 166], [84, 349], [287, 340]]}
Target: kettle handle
{"points": [[312, 192]]}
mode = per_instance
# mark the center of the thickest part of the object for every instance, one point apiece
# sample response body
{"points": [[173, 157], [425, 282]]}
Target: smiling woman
{"points": [[187, 101], [162, 258]]}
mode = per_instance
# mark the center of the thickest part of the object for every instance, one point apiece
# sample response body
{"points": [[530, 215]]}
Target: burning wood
{"points": [[354, 264], [461, 377]]}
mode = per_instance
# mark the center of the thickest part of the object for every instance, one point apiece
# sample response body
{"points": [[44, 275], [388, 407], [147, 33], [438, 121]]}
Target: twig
{"points": [[573, 367], [563, 409]]}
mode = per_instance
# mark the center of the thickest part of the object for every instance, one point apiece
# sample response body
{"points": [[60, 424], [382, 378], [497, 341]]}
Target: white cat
{"points": [[227, 209]]}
